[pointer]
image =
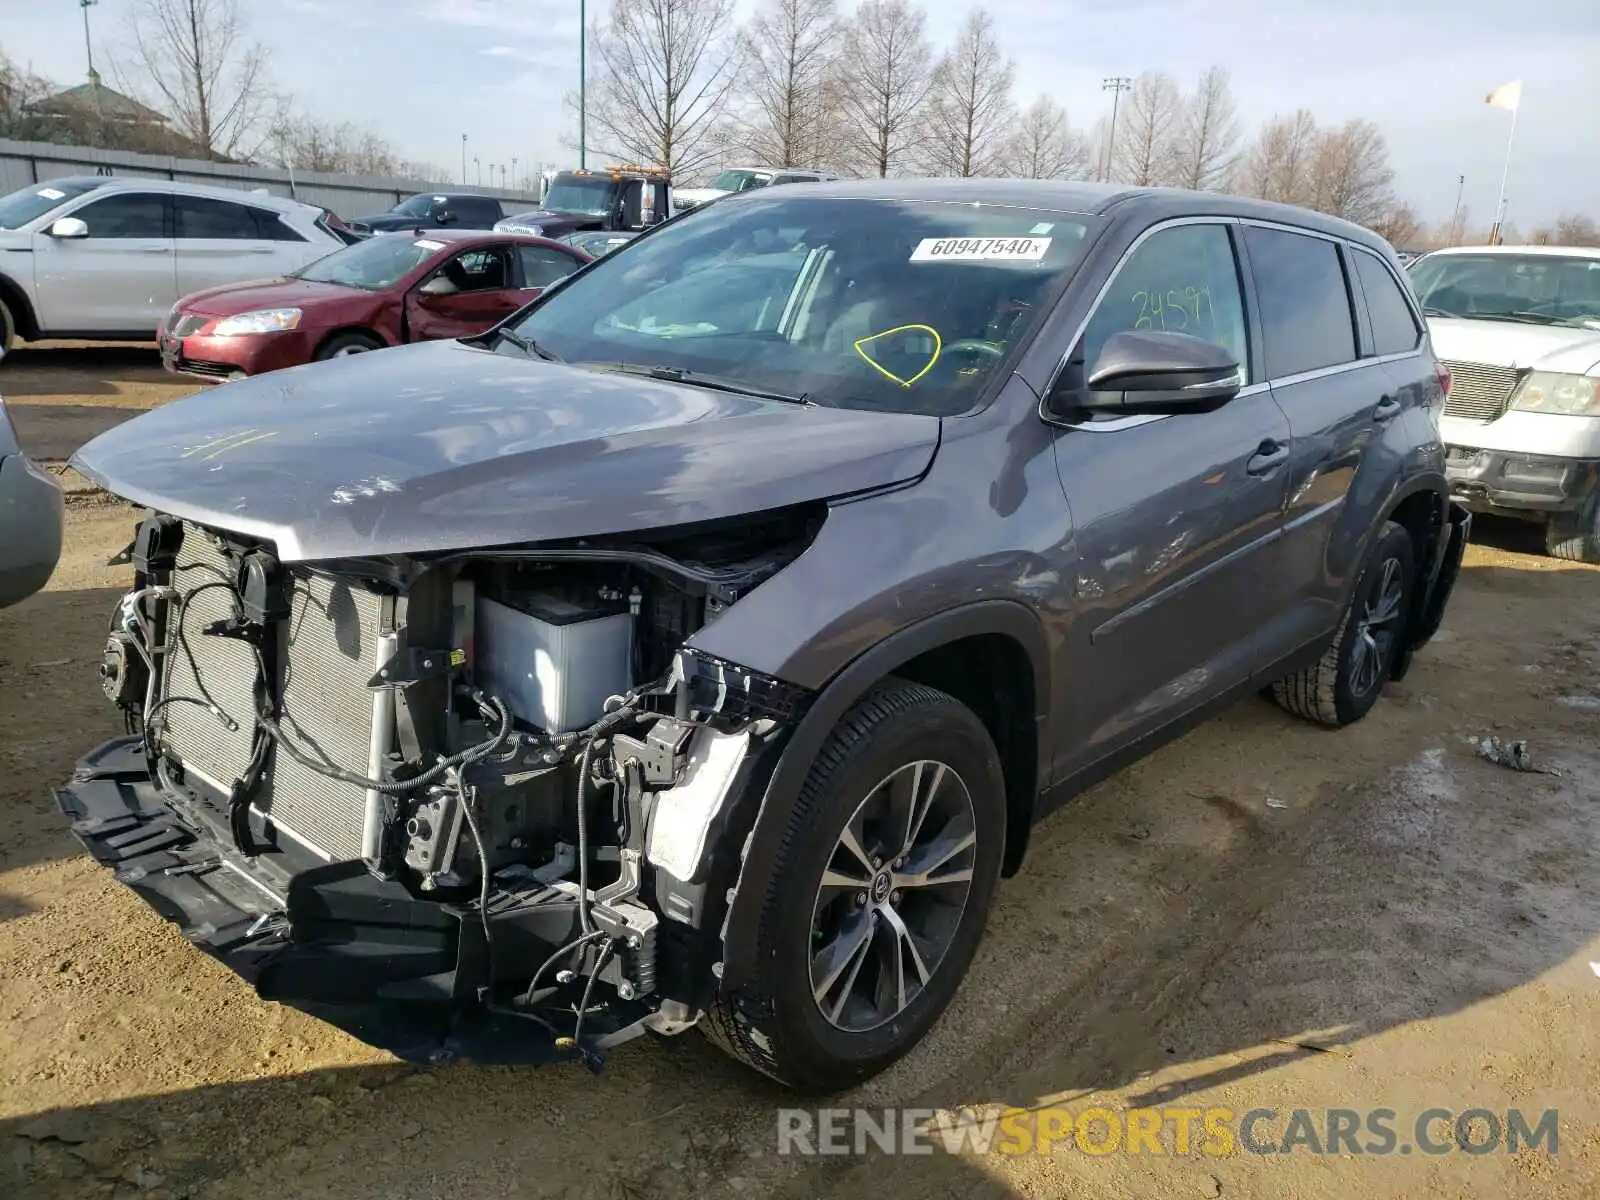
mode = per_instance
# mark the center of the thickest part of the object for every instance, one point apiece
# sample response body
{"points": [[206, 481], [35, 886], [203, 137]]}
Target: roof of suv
{"points": [[115, 183], [1089, 199]]}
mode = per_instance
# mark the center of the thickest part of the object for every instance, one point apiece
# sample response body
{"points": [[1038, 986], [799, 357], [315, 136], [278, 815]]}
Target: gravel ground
{"points": [[1263, 914]]}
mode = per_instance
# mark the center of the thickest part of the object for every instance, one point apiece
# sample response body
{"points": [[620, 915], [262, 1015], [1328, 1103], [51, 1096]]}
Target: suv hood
{"points": [[1510, 344], [445, 446]]}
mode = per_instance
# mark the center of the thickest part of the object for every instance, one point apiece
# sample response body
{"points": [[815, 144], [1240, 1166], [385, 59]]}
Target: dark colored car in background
{"points": [[623, 198], [382, 291], [700, 645], [434, 210]]}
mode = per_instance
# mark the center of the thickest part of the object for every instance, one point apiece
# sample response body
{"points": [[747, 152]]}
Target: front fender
{"points": [[758, 866]]}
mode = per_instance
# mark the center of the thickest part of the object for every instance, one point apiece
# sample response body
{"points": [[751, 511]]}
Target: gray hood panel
{"points": [[442, 446]]}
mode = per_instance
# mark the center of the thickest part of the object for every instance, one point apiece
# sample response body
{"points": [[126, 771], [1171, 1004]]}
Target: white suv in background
{"points": [[106, 258], [1519, 329], [745, 179]]}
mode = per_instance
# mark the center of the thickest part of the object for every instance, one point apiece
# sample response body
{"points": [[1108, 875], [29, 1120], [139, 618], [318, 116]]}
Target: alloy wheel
{"points": [[1377, 632], [892, 895]]}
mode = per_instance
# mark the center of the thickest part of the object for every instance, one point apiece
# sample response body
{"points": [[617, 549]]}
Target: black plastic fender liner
{"points": [[1005, 617]]}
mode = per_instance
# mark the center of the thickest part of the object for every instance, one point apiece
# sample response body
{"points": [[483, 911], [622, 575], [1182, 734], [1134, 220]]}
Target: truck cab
{"points": [[625, 197]]}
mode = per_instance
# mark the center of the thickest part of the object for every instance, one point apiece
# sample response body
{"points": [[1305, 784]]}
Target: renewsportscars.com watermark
{"points": [[1165, 1131]]}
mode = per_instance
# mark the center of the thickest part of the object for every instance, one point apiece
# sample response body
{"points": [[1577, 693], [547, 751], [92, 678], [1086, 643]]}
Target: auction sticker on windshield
{"points": [[1020, 249], [427, 245]]}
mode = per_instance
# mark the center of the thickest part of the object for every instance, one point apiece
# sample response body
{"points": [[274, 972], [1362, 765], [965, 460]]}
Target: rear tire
{"points": [[1344, 684], [1575, 536], [851, 974], [344, 344]]}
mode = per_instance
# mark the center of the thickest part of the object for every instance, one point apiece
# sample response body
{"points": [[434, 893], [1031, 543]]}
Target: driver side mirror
{"points": [[69, 227], [1154, 371], [438, 286]]}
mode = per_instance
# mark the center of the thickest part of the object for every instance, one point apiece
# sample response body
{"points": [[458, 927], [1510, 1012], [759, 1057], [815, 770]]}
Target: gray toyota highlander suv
{"points": [[700, 645]]}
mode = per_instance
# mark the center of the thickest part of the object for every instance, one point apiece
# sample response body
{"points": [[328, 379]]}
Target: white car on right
{"points": [[1519, 329], [744, 179]]}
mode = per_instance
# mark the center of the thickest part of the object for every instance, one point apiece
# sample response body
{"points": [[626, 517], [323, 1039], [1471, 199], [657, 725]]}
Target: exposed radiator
{"points": [[1479, 391], [330, 647], [333, 650]]}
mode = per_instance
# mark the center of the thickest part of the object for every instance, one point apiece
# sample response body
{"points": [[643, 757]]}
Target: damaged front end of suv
{"points": [[482, 802]]}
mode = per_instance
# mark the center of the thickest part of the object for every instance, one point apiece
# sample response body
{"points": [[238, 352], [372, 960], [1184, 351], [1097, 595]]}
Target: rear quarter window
{"points": [[1394, 325], [1306, 319]]}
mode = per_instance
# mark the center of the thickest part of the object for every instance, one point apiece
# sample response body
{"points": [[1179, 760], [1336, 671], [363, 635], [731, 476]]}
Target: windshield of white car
{"points": [[371, 265], [587, 196], [878, 304], [34, 201], [740, 181], [1535, 289]]}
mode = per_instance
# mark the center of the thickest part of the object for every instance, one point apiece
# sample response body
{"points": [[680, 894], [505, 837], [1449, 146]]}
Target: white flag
{"points": [[1507, 95]]}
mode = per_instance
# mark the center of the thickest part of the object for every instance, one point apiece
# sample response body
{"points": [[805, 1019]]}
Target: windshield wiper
{"points": [[527, 346], [716, 383], [1438, 312], [1517, 318]]}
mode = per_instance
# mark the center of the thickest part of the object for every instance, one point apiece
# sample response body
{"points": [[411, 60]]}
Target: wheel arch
{"points": [[16, 300], [992, 655]]}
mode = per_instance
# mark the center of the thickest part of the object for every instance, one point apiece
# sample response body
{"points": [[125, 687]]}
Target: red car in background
{"points": [[382, 291]]}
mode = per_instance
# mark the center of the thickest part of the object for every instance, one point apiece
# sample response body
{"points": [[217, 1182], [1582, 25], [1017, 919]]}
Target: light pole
{"points": [[88, 48], [478, 167], [463, 160], [583, 85], [1116, 85], [513, 167], [1455, 217]]}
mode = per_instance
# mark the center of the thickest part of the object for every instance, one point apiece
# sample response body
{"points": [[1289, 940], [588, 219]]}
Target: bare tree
{"points": [[884, 77], [970, 112], [1400, 226], [1570, 229], [1350, 173], [664, 70], [193, 60], [1146, 127], [1045, 146], [1278, 163], [1205, 144], [307, 144], [791, 52], [20, 90]]}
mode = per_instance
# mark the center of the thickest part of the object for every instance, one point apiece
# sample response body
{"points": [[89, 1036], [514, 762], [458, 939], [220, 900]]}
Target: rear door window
{"points": [[1394, 325], [1306, 319], [202, 217]]}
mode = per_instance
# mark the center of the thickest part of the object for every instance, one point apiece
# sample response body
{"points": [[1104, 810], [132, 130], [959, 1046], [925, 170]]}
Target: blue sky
{"points": [[422, 72]]}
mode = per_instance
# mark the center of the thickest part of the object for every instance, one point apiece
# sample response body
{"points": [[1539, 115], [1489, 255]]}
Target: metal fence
{"points": [[23, 163]]}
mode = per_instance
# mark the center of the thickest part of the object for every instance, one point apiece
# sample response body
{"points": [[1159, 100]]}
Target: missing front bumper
{"points": [[403, 973]]}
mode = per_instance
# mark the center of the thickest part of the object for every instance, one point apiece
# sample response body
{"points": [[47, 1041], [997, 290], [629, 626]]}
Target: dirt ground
{"points": [[1262, 915]]}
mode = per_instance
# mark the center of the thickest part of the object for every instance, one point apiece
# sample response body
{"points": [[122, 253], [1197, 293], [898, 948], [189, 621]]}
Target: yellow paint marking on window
{"points": [[938, 348]]}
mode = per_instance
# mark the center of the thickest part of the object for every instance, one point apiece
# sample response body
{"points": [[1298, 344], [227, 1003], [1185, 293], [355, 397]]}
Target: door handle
{"points": [[1269, 456], [158, 249], [1388, 408]]}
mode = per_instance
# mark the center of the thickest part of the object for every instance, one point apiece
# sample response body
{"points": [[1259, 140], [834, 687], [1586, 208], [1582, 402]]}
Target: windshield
{"points": [[417, 206], [587, 196], [33, 202], [1544, 289], [372, 265], [740, 181], [880, 304]]}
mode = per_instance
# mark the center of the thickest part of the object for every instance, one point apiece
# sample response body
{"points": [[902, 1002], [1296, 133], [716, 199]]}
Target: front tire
{"points": [[882, 888], [8, 330], [345, 344], [1575, 536], [1345, 683]]}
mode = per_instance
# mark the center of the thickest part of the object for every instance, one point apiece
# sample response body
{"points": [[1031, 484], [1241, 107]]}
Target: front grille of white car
{"points": [[1479, 391]]}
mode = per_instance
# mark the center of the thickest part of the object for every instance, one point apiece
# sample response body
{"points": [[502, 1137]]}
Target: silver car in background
{"points": [[105, 258], [30, 520]]}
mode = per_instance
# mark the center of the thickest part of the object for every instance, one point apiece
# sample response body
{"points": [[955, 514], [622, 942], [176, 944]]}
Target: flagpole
{"points": [[1505, 176]]}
